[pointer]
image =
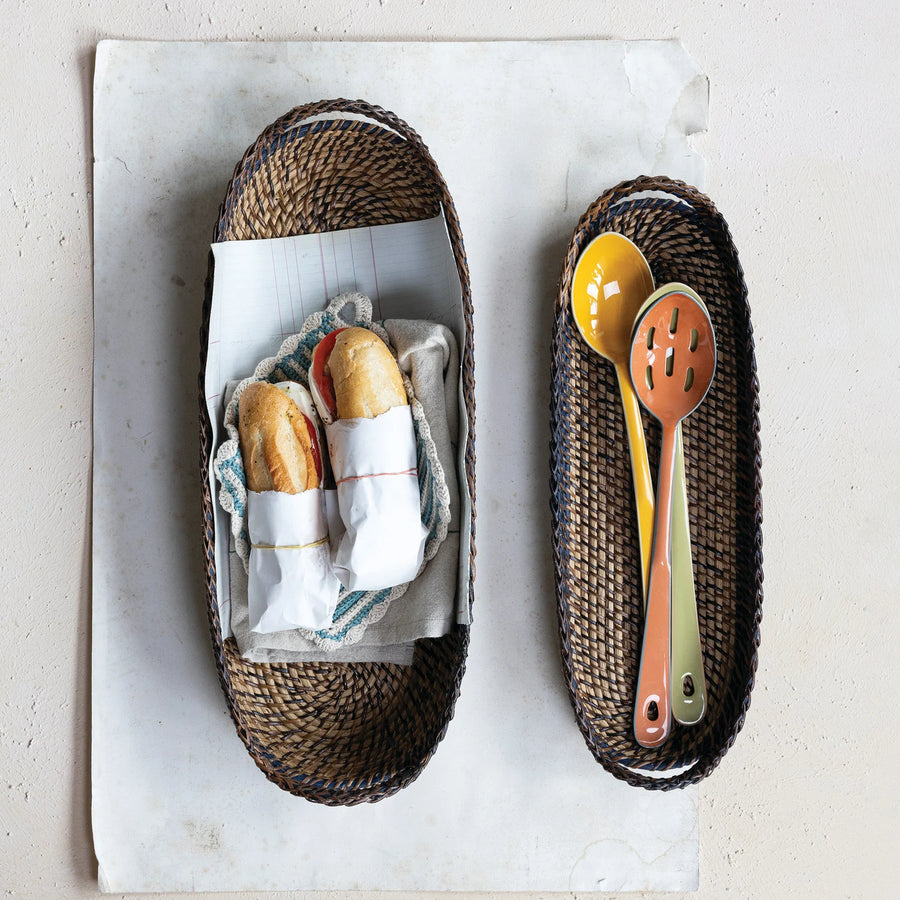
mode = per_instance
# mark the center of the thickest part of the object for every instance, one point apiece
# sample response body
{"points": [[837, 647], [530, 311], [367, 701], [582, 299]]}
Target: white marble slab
{"points": [[527, 135]]}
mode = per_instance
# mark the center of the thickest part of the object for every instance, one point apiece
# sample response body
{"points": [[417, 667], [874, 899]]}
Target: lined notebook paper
{"points": [[265, 289]]}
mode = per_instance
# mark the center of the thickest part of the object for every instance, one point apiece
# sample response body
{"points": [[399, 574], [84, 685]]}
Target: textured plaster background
{"points": [[802, 161]]}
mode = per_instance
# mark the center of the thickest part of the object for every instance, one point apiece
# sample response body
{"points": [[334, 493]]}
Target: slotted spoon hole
{"points": [[651, 333], [688, 379], [673, 320], [670, 361]]}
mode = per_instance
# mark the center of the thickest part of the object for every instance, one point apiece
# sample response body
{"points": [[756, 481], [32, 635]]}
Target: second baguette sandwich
{"points": [[372, 444], [354, 376]]}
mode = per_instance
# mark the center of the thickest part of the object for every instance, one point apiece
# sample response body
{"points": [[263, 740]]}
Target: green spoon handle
{"points": [[688, 683]]}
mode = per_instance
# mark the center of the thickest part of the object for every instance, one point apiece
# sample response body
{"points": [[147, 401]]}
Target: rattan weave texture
{"points": [[338, 733], [684, 239]]}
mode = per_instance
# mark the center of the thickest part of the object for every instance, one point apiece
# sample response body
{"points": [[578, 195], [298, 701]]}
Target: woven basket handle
{"points": [[679, 190], [356, 107]]}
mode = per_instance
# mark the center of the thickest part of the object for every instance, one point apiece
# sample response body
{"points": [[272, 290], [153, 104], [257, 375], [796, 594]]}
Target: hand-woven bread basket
{"points": [[597, 566], [338, 733]]}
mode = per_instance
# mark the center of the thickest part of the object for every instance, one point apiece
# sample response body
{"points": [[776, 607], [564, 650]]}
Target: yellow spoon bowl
{"points": [[610, 284]]}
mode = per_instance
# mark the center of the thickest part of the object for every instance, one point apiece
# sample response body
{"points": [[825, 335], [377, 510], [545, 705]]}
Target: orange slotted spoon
{"points": [[672, 363]]}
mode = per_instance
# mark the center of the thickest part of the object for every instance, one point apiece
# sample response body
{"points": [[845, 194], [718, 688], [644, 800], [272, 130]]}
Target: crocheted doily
{"points": [[356, 609]]}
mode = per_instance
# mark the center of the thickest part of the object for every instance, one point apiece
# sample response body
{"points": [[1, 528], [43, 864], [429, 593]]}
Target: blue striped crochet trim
{"points": [[350, 603]]}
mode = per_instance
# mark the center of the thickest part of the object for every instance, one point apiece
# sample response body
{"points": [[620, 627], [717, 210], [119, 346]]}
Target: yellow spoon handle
{"points": [[688, 696], [640, 471]]}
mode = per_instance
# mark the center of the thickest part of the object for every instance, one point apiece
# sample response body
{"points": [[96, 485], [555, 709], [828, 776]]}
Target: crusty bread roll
{"points": [[276, 444], [366, 377]]}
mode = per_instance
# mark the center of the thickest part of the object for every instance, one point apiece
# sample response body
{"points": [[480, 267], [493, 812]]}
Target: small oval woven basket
{"points": [[597, 566], [338, 733]]}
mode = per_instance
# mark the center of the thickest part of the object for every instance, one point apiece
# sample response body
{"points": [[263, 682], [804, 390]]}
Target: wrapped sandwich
{"points": [[291, 583], [360, 396]]}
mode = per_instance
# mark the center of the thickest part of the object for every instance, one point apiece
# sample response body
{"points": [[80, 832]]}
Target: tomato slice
{"points": [[322, 378], [314, 444]]}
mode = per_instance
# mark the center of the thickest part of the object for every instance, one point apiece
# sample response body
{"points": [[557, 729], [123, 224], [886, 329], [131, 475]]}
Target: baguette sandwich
{"points": [[359, 392], [290, 580]]}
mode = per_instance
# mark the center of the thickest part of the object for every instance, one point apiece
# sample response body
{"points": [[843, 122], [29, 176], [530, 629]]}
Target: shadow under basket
{"points": [[338, 733], [597, 565]]}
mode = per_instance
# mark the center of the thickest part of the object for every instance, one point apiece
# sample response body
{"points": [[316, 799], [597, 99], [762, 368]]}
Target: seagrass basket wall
{"points": [[338, 733], [597, 565]]}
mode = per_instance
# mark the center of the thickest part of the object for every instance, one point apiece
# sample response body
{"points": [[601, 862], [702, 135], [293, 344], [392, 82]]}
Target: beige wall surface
{"points": [[802, 161]]}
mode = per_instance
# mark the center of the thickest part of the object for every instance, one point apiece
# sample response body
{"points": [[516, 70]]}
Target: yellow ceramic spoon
{"points": [[610, 284]]}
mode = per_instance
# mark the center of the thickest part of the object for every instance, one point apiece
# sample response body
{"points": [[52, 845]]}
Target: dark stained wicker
{"points": [[338, 733], [598, 580]]}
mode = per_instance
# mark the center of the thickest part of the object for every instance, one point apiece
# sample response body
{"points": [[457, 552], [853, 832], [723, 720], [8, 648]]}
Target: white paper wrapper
{"points": [[291, 583], [374, 463]]}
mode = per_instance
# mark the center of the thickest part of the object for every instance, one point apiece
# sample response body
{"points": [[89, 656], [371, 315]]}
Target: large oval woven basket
{"points": [[338, 733], [598, 579]]}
